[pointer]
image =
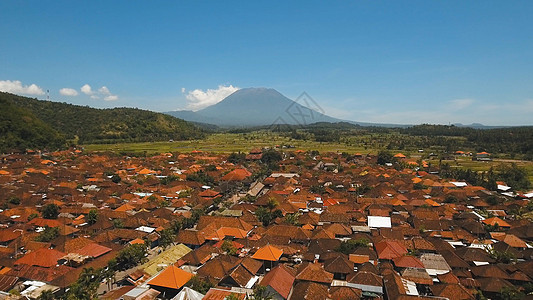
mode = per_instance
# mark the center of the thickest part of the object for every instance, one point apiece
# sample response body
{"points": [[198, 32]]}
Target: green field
{"points": [[468, 163], [229, 142], [244, 142]]}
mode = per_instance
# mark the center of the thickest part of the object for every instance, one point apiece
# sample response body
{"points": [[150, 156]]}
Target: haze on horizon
{"points": [[384, 62]]}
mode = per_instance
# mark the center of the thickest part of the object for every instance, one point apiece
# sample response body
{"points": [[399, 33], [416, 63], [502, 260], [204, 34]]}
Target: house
{"points": [[170, 281], [278, 282]]}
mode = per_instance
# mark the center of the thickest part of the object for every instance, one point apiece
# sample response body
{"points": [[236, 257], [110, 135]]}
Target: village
{"points": [[267, 224]]}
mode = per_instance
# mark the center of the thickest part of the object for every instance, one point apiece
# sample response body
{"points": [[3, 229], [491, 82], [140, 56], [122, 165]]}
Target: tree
{"points": [[167, 238], [14, 200], [92, 216], [266, 216], [293, 219], [115, 178], [232, 296], [511, 293], [32, 216], [86, 286], [46, 295], [50, 211], [200, 285], [384, 157], [502, 256], [317, 189], [48, 234], [261, 293], [130, 256], [236, 158], [271, 158], [349, 246], [227, 246]]}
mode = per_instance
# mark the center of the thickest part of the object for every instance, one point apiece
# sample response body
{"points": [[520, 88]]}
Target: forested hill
{"points": [[20, 129], [84, 124]]}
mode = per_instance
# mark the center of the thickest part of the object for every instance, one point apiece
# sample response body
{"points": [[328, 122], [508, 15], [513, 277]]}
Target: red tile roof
{"points": [[280, 279], [390, 249], [42, 257], [93, 250]]}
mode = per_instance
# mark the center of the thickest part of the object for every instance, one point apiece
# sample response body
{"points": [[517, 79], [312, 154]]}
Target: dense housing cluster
{"points": [[260, 225]]}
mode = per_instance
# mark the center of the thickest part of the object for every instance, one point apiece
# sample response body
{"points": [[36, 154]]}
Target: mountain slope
{"points": [[20, 129], [90, 125], [256, 107]]}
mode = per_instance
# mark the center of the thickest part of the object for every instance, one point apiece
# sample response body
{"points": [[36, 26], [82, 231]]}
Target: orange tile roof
{"points": [[268, 252], [495, 220], [136, 241], [359, 258], [125, 207], [4, 172], [172, 277], [399, 155], [145, 171], [236, 175]]}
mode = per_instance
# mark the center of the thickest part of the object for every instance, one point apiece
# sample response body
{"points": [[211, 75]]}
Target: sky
{"points": [[405, 62]]}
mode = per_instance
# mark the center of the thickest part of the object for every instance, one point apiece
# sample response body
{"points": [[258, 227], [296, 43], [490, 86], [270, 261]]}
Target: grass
{"points": [[228, 143], [244, 142], [468, 163]]}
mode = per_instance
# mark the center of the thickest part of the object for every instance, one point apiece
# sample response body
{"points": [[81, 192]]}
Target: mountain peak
{"points": [[257, 106]]}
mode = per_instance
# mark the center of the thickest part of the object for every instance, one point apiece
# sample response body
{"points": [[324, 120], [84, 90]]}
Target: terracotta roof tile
{"points": [[268, 252], [314, 272], [172, 277], [280, 279], [42, 257]]}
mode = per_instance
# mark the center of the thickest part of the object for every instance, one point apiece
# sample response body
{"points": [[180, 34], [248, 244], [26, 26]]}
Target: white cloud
{"points": [[111, 98], [102, 92], [199, 99], [68, 92], [107, 94], [458, 104], [16, 87], [183, 90], [86, 89]]}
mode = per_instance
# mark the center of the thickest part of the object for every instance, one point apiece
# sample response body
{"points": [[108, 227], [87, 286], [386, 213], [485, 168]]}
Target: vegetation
{"points": [[21, 129], [261, 293], [129, 257], [167, 238], [48, 234], [266, 216], [510, 174], [92, 216], [228, 247], [349, 246], [50, 211], [201, 177], [200, 285], [31, 123]]}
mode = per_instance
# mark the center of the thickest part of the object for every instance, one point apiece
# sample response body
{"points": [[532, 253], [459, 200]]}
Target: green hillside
{"points": [[20, 129], [82, 124]]}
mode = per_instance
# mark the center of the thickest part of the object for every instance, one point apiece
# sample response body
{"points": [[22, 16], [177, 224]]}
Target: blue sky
{"points": [[376, 61]]}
